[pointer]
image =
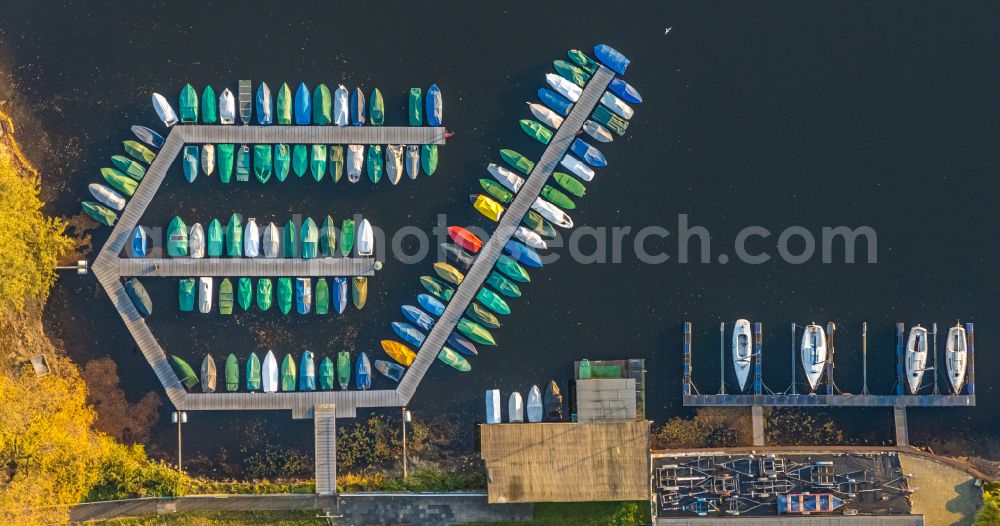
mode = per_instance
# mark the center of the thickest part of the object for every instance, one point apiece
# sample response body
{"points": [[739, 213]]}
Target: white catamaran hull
{"points": [[813, 354], [742, 351]]}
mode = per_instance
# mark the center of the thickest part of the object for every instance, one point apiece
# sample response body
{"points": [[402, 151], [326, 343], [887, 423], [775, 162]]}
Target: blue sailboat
{"points": [[265, 110], [140, 242], [430, 304], [363, 375], [418, 317], [408, 333], [307, 372], [339, 294], [303, 105], [357, 108]]}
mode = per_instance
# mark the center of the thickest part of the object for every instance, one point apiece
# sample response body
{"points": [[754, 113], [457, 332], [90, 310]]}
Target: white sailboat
{"points": [[577, 167], [535, 404], [366, 239], [394, 163], [227, 107], [412, 161], [916, 357], [813, 353], [196, 241], [340, 106], [515, 408], [208, 159], [204, 295], [269, 374], [272, 241], [107, 196], [552, 213], [355, 161], [742, 351], [507, 178], [564, 87], [164, 111], [251, 239], [616, 105], [530, 238], [597, 132], [956, 354], [545, 115]]}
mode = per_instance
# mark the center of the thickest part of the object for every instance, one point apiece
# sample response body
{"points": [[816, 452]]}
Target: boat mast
{"points": [[864, 357], [793, 359], [722, 358], [934, 329]]}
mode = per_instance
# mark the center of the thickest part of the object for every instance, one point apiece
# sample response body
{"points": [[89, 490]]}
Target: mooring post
{"points": [[864, 357], [971, 365], [793, 359], [722, 358], [758, 352], [830, 329], [686, 388], [900, 379], [935, 366]]}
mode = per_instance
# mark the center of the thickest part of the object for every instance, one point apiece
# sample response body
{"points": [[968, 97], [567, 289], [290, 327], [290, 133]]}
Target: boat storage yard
{"points": [[584, 97]]}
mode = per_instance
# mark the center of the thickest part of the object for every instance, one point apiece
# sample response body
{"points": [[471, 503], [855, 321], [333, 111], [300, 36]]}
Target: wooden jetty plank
{"points": [[301, 403], [185, 267], [214, 134], [488, 255], [326, 449]]}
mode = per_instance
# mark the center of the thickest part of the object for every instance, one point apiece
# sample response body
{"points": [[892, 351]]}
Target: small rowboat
{"points": [[581, 59], [418, 317], [107, 196], [577, 167], [227, 107], [545, 115], [140, 298], [140, 242], [208, 159], [611, 58], [355, 162], [321, 105], [340, 105], [435, 106], [523, 254], [376, 108], [408, 333], [196, 241], [616, 105], [416, 107], [391, 370], [509, 179], [283, 110], [588, 153], [303, 105], [555, 101], [465, 239], [253, 372], [148, 136], [485, 205], [412, 161], [362, 377], [625, 91], [552, 213], [597, 132], [454, 359], [430, 304], [357, 108], [399, 352], [462, 344], [264, 108], [530, 238], [564, 87], [99, 212], [456, 254], [164, 111]]}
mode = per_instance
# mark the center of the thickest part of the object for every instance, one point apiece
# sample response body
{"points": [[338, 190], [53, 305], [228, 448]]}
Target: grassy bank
{"points": [[584, 514]]}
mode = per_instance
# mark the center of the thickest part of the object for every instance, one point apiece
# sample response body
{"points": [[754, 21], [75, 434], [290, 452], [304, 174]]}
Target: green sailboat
{"points": [[284, 105], [290, 240], [226, 297], [536, 222], [188, 104], [185, 294], [177, 238], [129, 167], [253, 372], [262, 162], [611, 121], [244, 293], [119, 181], [300, 159], [232, 373], [343, 369], [213, 239], [310, 239], [282, 161], [416, 107], [496, 190], [264, 294], [318, 163], [536, 130], [321, 105], [288, 373], [285, 295], [224, 156], [493, 301], [571, 73], [376, 108], [437, 288], [374, 163], [429, 158], [454, 359], [482, 316], [359, 291], [504, 285], [321, 296], [570, 184], [234, 237], [184, 372], [517, 161], [475, 332], [327, 238], [581, 59], [139, 152], [336, 162], [347, 237], [512, 269], [100, 213], [558, 198], [327, 374], [243, 164], [209, 111]]}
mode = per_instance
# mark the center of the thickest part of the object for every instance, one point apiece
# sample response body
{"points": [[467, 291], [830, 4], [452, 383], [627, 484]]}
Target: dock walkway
{"points": [[109, 267], [491, 250]]}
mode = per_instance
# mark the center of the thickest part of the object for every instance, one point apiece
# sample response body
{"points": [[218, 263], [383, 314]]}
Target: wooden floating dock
{"points": [[491, 250], [249, 267], [109, 268]]}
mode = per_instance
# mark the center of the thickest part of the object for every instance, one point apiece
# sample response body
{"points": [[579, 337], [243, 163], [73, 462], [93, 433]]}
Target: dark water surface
{"points": [[773, 114]]}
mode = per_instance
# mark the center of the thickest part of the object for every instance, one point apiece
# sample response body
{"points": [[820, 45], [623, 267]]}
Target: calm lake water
{"points": [[771, 114]]}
